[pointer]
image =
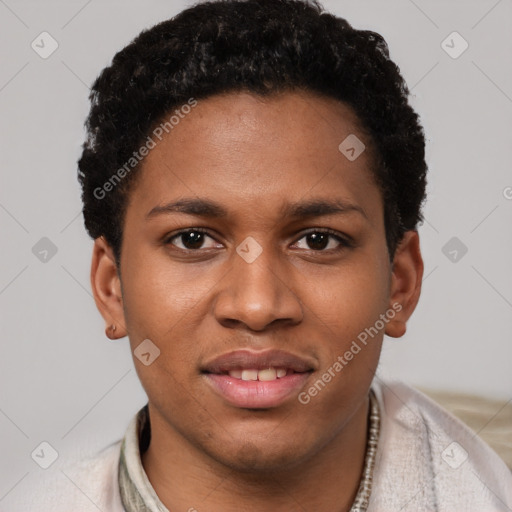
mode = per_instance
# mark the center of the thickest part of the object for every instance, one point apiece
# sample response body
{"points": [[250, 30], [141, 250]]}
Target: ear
{"points": [[106, 288], [406, 278]]}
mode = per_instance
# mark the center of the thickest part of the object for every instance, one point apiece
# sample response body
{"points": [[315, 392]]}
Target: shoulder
{"points": [[90, 484], [428, 458]]}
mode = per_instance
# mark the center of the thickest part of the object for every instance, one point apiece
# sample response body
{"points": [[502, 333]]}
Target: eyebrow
{"points": [[200, 207], [305, 209], [319, 207]]}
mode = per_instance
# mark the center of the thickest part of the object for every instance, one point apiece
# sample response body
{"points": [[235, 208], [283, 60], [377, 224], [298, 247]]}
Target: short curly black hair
{"points": [[263, 47]]}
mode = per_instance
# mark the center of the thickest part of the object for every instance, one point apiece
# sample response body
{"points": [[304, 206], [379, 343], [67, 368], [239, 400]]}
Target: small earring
{"points": [[109, 331]]}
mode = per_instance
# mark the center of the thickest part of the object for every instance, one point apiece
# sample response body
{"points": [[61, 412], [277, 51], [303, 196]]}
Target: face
{"points": [[254, 256]]}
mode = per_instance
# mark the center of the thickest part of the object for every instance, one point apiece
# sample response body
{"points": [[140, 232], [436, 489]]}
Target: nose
{"points": [[257, 294]]}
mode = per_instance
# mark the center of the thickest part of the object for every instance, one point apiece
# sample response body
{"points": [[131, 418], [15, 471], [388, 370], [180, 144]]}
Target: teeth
{"points": [[264, 375], [249, 374], [269, 374]]}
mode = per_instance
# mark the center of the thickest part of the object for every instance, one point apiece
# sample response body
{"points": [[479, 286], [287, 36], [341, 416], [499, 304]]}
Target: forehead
{"points": [[261, 152]]}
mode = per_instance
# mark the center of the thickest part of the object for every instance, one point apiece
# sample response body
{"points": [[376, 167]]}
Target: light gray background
{"points": [[62, 381]]}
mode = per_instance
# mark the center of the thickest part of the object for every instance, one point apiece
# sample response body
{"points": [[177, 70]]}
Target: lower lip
{"points": [[257, 394]]}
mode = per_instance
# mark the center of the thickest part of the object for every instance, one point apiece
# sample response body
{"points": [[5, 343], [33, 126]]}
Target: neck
{"points": [[185, 478]]}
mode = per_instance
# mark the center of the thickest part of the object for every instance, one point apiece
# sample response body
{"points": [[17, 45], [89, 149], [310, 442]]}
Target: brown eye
{"points": [[322, 241], [192, 239], [317, 241]]}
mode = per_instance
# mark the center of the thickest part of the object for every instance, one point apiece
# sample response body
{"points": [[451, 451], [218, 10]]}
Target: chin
{"points": [[261, 458]]}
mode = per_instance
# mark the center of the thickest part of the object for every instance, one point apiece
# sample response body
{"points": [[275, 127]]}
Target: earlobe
{"points": [[106, 287], [406, 278], [110, 331]]}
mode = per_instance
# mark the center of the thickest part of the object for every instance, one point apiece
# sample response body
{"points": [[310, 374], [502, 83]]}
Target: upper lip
{"points": [[247, 359]]}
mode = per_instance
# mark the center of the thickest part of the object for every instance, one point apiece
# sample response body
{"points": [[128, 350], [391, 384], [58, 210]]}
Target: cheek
{"points": [[346, 308], [349, 299], [158, 297], [160, 306]]}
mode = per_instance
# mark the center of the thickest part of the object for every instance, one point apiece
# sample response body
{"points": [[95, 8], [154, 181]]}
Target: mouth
{"points": [[257, 380], [265, 375]]}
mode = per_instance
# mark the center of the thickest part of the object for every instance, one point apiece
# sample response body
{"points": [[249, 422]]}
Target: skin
{"points": [[252, 156]]}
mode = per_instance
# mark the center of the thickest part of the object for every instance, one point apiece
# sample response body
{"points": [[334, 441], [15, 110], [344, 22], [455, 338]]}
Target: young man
{"points": [[253, 178]]}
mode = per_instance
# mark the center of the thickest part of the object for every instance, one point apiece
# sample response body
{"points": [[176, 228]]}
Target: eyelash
{"points": [[344, 242]]}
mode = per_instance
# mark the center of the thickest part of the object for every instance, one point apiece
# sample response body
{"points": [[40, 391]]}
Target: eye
{"points": [[191, 239], [323, 240]]}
